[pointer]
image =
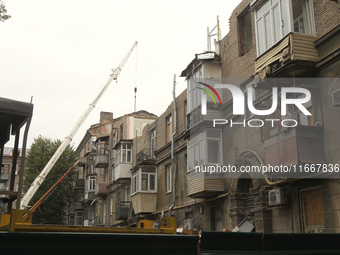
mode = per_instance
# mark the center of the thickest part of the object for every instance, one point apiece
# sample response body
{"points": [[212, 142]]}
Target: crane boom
{"points": [[41, 177]]}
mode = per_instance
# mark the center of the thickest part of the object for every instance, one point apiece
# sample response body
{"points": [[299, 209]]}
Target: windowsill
{"points": [[143, 192], [168, 192]]}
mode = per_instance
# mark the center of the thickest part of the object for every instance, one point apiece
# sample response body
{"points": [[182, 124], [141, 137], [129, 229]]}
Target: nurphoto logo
{"points": [[239, 104]]}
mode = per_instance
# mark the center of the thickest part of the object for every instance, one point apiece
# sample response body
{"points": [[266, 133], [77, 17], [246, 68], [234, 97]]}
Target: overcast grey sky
{"points": [[62, 52]]}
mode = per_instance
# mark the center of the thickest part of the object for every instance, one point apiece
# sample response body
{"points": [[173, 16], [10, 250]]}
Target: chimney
{"points": [[106, 117]]}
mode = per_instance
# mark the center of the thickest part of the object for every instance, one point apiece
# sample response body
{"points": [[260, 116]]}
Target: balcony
{"points": [[300, 145], [145, 157], [144, 202], [80, 183], [123, 171], [122, 210], [100, 190], [101, 161], [296, 50], [3, 177], [200, 185]]}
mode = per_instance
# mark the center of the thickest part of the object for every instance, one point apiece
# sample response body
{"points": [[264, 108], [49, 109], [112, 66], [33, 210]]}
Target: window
{"points": [[90, 213], [168, 128], [112, 173], [121, 131], [273, 21], [194, 95], [123, 154], [294, 113], [104, 212], [79, 218], [311, 210], [196, 151], [205, 148], [144, 179], [126, 153], [168, 181], [111, 205], [185, 169], [214, 146], [91, 183], [185, 115], [301, 16], [153, 142], [245, 32], [71, 220]]}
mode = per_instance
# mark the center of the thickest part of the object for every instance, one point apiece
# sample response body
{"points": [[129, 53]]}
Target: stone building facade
{"points": [[154, 172]]}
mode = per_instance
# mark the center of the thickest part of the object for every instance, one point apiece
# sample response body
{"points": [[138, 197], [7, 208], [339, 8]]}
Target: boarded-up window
{"points": [[312, 217]]}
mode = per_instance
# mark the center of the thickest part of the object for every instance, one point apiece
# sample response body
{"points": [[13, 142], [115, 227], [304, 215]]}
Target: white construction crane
{"points": [[39, 180]]}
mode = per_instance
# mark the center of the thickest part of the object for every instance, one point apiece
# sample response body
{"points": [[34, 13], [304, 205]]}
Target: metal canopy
{"points": [[13, 115]]}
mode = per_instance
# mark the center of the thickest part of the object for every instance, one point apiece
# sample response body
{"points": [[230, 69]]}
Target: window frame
{"points": [[168, 179], [153, 136], [136, 180], [200, 141], [121, 151], [285, 9], [91, 181]]}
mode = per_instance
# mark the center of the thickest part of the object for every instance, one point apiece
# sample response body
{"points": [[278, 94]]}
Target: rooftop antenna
{"points": [[135, 89], [210, 34], [135, 98]]}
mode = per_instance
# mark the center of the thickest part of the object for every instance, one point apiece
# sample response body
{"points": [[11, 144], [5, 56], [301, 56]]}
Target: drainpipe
{"points": [[174, 160]]}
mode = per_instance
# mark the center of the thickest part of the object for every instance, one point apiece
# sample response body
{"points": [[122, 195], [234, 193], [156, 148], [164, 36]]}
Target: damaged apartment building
{"points": [[152, 172]]}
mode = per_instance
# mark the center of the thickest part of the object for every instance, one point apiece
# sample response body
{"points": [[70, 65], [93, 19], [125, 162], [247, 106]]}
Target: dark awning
{"points": [[13, 115]]}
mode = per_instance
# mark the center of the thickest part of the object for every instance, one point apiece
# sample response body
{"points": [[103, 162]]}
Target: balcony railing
{"points": [[102, 160], [144, 202], [100, 189], [293, 47], [145, 156], [202, 186], [300, 145], [122, 210]]}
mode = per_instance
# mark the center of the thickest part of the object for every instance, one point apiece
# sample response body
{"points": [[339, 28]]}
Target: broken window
{"points": [[245, 32]]}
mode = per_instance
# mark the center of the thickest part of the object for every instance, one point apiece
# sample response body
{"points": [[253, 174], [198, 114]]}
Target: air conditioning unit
{"points": [[275, 197], [336, 97], [188, 224]]}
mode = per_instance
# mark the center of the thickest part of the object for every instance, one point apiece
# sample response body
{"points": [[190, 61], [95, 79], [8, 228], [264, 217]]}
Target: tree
{"points": [[3, 12], [52, 211]]}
